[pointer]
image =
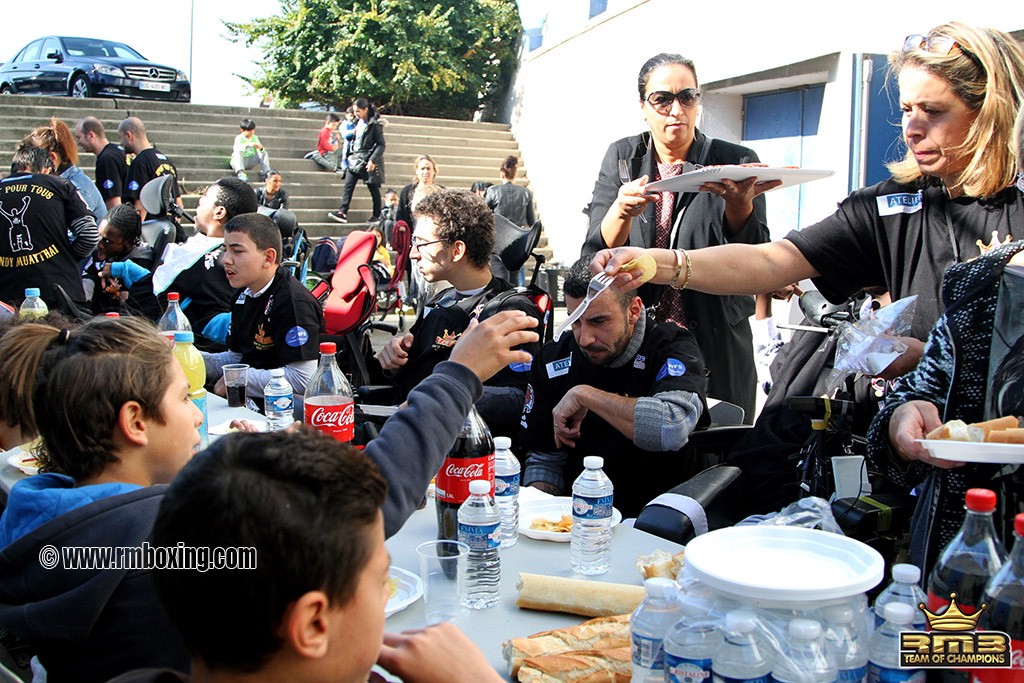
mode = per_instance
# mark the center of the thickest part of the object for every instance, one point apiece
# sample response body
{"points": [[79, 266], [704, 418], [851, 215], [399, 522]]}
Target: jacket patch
{"points": [[672, 367], [447, 340], [903, 202], [558, 368], [640, 362], [262, 340]]}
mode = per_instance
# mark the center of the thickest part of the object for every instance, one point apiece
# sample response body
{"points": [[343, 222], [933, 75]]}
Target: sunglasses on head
{"points": [[661, 100], [940, 45]]}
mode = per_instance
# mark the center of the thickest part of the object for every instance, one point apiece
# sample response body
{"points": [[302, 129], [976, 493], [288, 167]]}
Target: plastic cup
{"points": [[443, 569], [235, 377]]}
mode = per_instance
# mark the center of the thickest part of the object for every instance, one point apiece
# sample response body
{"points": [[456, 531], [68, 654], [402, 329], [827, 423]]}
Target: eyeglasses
{"points": [[419, 244], [940, 45], [661, 100]]}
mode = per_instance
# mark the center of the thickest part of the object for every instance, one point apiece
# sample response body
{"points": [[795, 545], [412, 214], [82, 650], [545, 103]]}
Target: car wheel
{"points": [[80, 87], [5, 89]]}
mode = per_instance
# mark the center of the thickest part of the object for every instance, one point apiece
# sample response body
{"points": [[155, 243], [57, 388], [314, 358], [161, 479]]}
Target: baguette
{"points": [[586, 666], [576, 596], [1007, 436], [597, 634], [957, 430], [659, 564], [998, 424]]}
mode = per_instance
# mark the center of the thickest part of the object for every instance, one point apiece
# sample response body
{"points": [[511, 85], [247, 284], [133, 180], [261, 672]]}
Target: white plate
{"points": [[553, 509], [18, 459], [775, 565], [691, 180], [410, 588], [970, 451], [225, 427]]}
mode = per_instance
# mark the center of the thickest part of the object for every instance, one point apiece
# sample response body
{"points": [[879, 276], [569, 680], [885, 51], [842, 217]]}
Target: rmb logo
{"points": [[952, 640]]}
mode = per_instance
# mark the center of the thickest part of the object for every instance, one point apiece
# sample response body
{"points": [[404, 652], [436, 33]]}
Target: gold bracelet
{"points": [[680, 255], [679, 268]]}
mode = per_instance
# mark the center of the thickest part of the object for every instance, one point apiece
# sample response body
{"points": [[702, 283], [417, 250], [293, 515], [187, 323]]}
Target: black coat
{"points": [[718, 322], [370, 147]]}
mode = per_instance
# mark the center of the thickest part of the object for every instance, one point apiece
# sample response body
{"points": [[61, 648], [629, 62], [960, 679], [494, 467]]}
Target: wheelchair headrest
{"points": [[156, 194], [512, 243]]}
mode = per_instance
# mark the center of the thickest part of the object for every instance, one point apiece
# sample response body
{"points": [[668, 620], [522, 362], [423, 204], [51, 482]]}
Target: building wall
{"points": [[577, 93]]}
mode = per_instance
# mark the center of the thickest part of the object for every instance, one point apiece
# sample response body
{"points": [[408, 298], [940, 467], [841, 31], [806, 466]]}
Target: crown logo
{"points": [[953, 619]]}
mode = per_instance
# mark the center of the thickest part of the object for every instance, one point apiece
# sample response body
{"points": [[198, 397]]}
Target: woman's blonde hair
{"points": [[416, 165], [986, 70]]}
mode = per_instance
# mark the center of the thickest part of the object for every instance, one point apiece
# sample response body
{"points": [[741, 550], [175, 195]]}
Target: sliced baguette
{"points": [[596, 634], [1006, 436], [998, 424], [586, 666], [957, 430]]}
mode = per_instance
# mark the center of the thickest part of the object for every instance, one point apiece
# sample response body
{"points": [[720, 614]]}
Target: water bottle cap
{"points": [[980, 500], [740, 620], [1018, 524], [660, 588], [502, 443], [838, 614], [183, 336], [328, 348], [899, 613], [593, 462], [173, 296], [31, 291], [479, 486], [277, 372], [906, 573], [804, 629]]}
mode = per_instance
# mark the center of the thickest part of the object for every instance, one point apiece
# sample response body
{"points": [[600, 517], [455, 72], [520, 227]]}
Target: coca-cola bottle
{"points": [[327, 402], [471, 457], [1004, 596]]}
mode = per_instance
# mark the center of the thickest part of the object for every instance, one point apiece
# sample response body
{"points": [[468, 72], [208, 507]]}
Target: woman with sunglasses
{"points": [[422, 185], [623, 212]]}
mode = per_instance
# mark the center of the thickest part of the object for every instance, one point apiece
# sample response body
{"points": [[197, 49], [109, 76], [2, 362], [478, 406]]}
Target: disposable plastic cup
{"points": [[443, 570], [235, 377]]}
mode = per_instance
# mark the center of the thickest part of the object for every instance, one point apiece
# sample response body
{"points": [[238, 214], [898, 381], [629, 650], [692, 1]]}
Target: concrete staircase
{"points": [[198, 140]]}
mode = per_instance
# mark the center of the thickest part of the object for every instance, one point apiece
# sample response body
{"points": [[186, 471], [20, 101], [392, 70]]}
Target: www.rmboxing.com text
{"points": [[147, 556]]}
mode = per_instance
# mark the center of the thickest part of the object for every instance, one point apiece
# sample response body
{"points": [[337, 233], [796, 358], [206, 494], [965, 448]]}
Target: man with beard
{"points": [[621, 386]]}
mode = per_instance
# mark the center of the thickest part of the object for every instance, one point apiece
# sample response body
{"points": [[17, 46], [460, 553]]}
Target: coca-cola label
{"points": [[334, 419], [584, 507], [480, 536], [1015, 674], [452, 482], [506, 485]]}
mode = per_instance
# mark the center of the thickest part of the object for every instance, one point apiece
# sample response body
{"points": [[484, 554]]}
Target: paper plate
{"points": [[777, 565], [225, 427], [691, 180], [410, 588], [970, 451], [553, 509], [26, 462]]}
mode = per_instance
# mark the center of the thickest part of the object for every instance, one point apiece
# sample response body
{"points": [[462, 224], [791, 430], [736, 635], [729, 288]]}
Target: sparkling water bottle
{"points": [[32, 308], [904, 588], [650, 623], [278, 404], [804, 658], [591, 540], [884, 647], [743, 656], [480, 529], [506, 489], [843, 640], [692, 643]]}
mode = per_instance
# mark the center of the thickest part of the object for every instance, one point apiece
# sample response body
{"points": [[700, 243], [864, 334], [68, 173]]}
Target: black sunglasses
{"points": [[661, 100]]}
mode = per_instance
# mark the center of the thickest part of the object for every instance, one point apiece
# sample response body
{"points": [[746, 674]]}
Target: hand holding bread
{"points": [[920, 420]]}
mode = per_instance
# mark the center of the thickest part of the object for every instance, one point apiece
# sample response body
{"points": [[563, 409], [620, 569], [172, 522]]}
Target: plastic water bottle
{"points": [[651, 622], [32, 308], [692, 643], [904, 588], [277, 401], [506, 489], [480, 529], [843, 640], [173, 320], [743, 655], [804, 657], [591, 540], [884, 647]]}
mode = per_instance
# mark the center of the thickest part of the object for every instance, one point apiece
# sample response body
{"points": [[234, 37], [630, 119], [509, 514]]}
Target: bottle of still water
{"points": [[843, 640], [804, 657], [278, 404], [506, 489], [32, 308], [480, 529], [904, 588], [591, 539], [173, 320], [651, 622], [692, 643], [743, 656], [884, 647]]}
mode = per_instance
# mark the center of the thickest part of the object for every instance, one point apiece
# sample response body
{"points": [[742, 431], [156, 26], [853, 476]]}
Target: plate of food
{"points": [[550, 519], [226, 428], [24, 460], [999, 441], [406, 588]]}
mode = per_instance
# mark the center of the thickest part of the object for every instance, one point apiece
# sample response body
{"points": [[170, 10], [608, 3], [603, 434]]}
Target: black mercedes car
{"points": [[90, 67]]}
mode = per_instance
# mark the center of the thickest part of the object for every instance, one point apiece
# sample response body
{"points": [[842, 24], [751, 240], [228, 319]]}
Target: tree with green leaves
{"points": [[443, 58]]}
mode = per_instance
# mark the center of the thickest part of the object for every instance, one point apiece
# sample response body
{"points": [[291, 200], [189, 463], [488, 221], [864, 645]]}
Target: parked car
{"points": [[90, 67]]}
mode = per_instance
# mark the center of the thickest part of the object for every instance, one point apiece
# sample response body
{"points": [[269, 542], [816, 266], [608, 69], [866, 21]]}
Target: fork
{"points": [[624, 178], [598, 284]]}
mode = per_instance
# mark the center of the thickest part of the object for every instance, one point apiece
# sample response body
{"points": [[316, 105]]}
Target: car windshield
{"points": [[90, 47]]}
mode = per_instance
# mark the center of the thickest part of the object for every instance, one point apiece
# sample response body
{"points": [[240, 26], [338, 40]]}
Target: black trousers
{"points": [[350, 185]]}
